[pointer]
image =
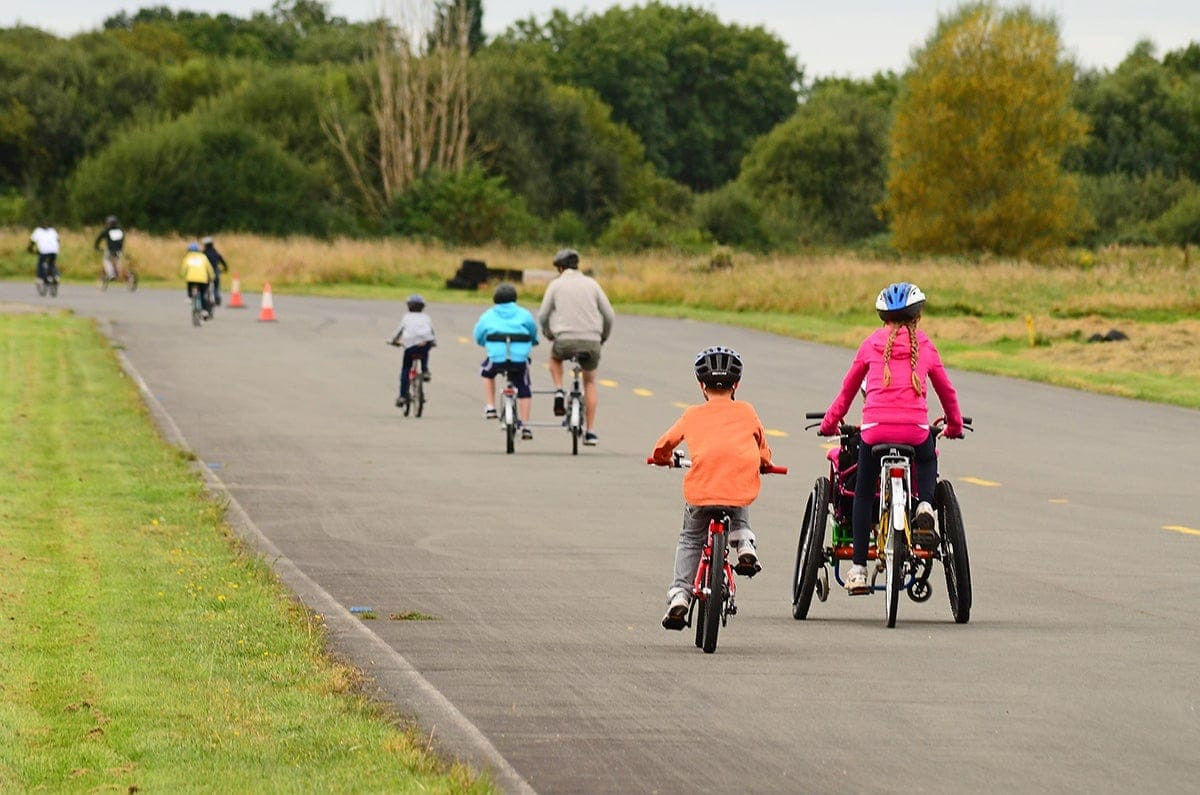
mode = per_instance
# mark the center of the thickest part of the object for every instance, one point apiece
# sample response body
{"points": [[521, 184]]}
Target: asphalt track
{"points": [[546, 573]]}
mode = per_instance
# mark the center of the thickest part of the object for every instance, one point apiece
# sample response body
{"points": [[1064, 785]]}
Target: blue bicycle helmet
{"points": [[899, 302], [193, 246], [718, 367], [416, 303]]}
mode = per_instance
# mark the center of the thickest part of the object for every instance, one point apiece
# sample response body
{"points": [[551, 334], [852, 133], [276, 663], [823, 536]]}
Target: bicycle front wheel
{"points": [[954, 553], [715, 602], [808, 548]]}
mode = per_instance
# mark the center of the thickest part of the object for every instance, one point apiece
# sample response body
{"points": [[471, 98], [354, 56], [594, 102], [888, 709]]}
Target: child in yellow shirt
{"points": [[728, 447]]}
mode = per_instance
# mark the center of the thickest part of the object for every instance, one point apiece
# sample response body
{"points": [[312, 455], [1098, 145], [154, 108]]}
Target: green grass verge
{"points": [[140, 646]]}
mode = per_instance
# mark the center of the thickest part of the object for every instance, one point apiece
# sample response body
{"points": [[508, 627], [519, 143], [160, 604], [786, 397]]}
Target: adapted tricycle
{"points": [[904, 558]]}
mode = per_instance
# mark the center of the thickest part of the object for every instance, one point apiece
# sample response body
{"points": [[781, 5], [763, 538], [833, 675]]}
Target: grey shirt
{"points": [[575, 308]]}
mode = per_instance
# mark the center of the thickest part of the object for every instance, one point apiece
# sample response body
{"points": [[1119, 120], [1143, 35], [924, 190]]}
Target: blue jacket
{"points": [[506, 319]]}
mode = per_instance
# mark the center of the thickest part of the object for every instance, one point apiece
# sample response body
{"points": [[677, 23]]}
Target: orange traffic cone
{"points": [[268, 304], [235, 294]]}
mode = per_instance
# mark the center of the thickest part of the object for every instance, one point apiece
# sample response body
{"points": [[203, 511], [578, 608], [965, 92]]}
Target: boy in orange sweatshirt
{"points": [[728, 447]]}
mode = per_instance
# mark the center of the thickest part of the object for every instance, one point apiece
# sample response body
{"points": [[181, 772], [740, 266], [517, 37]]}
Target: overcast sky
{"points": [[834, 37]]}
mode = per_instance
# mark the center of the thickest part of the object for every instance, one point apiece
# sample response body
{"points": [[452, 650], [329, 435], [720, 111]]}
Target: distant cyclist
{"points": [[198, 272], [44, 242], [219, 264], [417, 336], [578, 317], [113, 238], [509, 359]]}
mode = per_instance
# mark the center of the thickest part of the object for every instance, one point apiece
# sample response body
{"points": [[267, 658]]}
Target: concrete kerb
{"points": [[395, 677]]}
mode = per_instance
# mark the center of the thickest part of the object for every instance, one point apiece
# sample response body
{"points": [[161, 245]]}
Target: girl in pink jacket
{"points": [[892, 366]]}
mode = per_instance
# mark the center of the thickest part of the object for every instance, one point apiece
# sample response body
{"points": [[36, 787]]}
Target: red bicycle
{"points": [[714, 588]]}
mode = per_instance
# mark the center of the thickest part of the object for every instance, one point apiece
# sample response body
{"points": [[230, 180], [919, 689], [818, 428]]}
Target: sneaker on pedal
{"points": [[677, 610], [489, 413], [922, 526], [560, 403], [856, 580], [401, 402], [747, 560], [590, 439], [425, 376], [526, 434]]}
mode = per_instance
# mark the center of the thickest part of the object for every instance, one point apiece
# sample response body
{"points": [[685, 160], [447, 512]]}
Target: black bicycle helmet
{"points": [[505, 294], [110, 220], [718, 367], [567, 258], [899, 302], [416, 303]]}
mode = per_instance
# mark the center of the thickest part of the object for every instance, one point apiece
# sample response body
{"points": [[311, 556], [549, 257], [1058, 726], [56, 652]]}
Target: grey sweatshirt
{"points": [[576, 308]]}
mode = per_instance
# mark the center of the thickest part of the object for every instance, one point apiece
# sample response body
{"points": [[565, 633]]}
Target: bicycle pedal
{"points": [[748, 570], [860, 591]]}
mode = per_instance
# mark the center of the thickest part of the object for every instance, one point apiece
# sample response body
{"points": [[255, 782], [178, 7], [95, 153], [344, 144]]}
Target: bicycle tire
{"points": [[197, 311], [715, 602], [408, 403], [809, 548], [40, 286], [894, 561], [510, 426], [954, 553], [698, 613], [574, 422], [132, 281], [53, 287], [418, 386]]}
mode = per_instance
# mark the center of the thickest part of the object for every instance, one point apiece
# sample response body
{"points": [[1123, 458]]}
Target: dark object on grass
{"points": [[1113, 335], [470, 275]]}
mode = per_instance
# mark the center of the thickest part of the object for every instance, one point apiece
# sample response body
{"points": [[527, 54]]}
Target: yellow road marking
{"points": [[980, 481], [463, 340], [1178, 528], [1059, 501], [775, 432], [606, 382], [680, 405], [830, 445], [643, 392]]}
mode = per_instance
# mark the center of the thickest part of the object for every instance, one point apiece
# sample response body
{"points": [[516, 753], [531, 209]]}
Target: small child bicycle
{"points": [[714, 588], [904, 557]]}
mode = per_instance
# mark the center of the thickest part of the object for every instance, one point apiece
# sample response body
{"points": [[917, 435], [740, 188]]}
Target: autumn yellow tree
{"points": [[981, 127]]}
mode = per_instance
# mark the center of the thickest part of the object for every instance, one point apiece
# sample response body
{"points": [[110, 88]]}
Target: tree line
{"points": [[630, 128]]}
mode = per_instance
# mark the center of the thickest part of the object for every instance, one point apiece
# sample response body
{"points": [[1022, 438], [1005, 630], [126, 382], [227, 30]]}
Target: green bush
{"points": [[1123, 206], [733, 215], [464, 206], [568, 228], [193, 175]]}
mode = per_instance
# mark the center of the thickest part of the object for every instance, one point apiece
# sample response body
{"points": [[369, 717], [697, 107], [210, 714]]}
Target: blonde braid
{"points": [[912, 341], [887, 354]]}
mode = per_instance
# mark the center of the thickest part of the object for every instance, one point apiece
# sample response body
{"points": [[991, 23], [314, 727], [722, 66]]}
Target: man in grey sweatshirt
{"points": [[578, 317]]}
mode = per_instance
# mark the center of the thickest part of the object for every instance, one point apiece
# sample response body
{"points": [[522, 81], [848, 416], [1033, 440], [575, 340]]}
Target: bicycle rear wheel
{"points": [[896, 555], [53, 288], [510, 425], [132, 280], [197, 311], [715, 602], [954, 553], [809, 548], [418, 387], [575, 422], [40, 284]]}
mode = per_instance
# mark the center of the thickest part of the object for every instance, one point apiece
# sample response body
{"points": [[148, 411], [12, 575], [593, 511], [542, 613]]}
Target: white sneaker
{"points": [[677, 610], [856, 580], [489, 413], [923, 518]]}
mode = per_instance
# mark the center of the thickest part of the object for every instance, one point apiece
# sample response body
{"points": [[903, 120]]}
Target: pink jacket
{"points": [[895, 413]]}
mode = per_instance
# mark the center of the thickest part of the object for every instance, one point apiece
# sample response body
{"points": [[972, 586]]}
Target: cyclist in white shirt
{"points": [[44, 242]]}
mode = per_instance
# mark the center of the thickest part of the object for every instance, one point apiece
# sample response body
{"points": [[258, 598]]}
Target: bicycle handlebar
{"points": [[847, 430], [678, 461]]}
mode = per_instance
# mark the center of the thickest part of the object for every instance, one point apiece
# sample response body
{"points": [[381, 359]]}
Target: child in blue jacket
{"points": [[506, 317]]}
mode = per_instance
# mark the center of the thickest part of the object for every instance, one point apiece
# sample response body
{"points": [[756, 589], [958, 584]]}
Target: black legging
{"points": [[866, 486]]}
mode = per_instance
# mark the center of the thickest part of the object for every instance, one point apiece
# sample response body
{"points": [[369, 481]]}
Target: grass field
{"points": [[140, 647], [1006, 317]]}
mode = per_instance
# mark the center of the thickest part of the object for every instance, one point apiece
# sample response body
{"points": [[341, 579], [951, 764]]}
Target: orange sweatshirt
{"points": [[727, 445]]}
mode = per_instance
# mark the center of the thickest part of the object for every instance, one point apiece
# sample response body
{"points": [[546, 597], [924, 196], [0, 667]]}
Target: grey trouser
{"points": [[695, 533]]}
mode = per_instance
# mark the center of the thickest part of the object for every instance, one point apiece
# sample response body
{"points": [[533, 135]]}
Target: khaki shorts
{"points": [[586, 351]]}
